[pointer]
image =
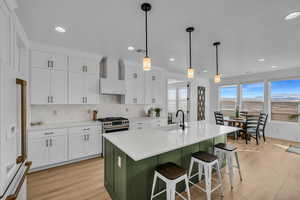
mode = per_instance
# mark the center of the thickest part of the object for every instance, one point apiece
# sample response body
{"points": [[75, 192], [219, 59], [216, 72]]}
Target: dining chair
{"points": [[252, 127], [243, 114], [219, 118], [263, 117]]}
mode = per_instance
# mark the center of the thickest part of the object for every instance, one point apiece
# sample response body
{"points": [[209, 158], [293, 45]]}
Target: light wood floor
{"points": [[269, 173]]}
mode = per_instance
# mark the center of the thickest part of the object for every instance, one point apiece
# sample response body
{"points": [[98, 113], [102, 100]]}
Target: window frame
{"points": [[252, 82], [269, 81], [237, 94], [267, 95]]}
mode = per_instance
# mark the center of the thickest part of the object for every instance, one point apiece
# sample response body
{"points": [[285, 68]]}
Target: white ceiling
{"points": [[247, 29]]}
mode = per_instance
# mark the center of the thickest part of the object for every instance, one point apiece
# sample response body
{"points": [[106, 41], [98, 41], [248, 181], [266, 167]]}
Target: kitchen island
{"points": [[131, 156]]}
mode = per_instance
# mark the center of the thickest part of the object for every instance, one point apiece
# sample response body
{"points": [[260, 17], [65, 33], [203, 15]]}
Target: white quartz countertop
{"points": [[64, 125], [141, 144]]}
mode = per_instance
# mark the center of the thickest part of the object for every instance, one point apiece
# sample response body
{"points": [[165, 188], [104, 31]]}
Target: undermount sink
{"points": [[171, 127]]}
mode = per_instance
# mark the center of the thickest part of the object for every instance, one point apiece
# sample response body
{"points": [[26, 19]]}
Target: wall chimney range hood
{"points": [[112, 76]]}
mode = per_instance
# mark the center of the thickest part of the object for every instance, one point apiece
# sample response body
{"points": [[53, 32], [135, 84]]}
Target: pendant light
{"points": [[146, 7], [190, 70], [218, 75]]}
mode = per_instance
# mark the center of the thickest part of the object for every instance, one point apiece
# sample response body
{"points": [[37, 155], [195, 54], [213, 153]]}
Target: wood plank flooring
{"points": [[269, 173]]}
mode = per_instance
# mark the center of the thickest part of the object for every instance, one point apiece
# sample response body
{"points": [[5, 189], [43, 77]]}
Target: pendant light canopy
{"points": [[146, 7], [218, 75], [190, 70]]}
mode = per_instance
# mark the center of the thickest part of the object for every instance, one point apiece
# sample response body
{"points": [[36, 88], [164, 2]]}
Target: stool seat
{"points": [[204, 156], [170, 170], [226, 147]]}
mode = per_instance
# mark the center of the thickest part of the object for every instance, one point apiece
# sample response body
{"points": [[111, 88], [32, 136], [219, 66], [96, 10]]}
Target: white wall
{"points": [[281, 130]]}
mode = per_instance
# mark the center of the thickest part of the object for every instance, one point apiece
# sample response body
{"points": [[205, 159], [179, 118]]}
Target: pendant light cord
{"points": [[190, 43], [146, 29], [217, 60]]}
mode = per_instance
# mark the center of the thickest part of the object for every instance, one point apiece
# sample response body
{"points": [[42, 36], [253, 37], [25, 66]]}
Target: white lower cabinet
{"points": [[55, 146], [48, 147], [84, 141]]}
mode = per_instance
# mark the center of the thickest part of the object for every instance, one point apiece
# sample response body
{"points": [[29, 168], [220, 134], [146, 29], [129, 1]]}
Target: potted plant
{"points": [[150, 112], [157, 111]]}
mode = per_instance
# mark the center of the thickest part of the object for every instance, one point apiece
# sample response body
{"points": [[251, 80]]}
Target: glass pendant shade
{"points": [[217, 78], [147, 63], [190, 72]]}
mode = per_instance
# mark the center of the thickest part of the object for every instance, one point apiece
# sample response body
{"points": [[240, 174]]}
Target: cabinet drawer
{"points": [[48, 132], [40, 59], [82, 129]]}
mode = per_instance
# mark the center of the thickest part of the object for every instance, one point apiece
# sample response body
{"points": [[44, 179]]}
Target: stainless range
{"points": [[113, 124]]}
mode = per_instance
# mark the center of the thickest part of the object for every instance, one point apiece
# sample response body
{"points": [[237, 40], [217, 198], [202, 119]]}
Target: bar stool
{"points": [[171, 174], [230, 152], [207, 162]]}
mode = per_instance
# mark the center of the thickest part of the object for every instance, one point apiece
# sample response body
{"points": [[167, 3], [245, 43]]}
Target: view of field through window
{"points": [[252, 99], [285, 100], [228, 100]]}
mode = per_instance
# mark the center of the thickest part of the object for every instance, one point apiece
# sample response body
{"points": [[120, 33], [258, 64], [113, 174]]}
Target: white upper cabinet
{"points": [[83, 81], [40, 86], [5, 34], [134, 77], [48, 86], [154, 87], [45, 60], [48, 78], [77, 64]]}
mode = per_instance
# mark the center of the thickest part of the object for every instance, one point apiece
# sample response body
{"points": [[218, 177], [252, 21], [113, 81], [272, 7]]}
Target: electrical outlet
{"points": [[119, 162]]}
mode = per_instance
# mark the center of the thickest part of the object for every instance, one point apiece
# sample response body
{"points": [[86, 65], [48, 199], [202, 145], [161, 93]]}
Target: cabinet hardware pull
{"points": [[50, 142], [47, 143], [86, 68], [50, 64], [86, 129], [85, 99], [88, 136], [52, 99], [49, 133], [82, 99], [84, 137], [48, 99]]}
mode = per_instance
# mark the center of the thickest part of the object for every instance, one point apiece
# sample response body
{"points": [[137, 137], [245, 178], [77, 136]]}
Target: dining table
{"points": [[237, 122]]}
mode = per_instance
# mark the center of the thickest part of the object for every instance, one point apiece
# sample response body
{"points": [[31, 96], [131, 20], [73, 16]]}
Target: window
{"points": [[182, 99], [252, 99], [285, 100], [172, 96], [228, 99]]}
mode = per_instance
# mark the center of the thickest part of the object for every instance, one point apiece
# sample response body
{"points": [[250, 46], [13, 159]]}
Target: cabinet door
{"points": [[40, 86], [148, 87], [5, 34], [131, 76], [77, 145], [76, 64], [38, 151], [58, 151], [40, 59], [157, 86], [92, 90], [94, 143], [59, 86], [76, 86]]}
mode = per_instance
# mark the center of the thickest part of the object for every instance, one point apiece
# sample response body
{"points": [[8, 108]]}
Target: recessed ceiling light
{"points": [[274, 67], [131, 48], [60, 29], [172, 59], [261, 60], [292, 15], [205, 71]]}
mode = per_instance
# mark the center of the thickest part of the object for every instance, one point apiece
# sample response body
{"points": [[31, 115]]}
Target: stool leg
{"points": [[238, 165], [191, 167], [173, 191], [153, 185], [200, 171], [187, 187], [207, 170], [230, 169], [168, 191], [220, 178]]}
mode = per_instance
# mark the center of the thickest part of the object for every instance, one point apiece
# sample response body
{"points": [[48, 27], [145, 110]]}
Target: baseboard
{"points": [[63, 163]]}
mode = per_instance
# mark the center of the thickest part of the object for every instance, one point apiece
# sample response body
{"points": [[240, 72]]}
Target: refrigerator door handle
{"points": [[23, 155]]}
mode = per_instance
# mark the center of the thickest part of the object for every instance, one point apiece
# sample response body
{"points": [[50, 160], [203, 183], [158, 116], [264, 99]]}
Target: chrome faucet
{"points": [[181, 125]]}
